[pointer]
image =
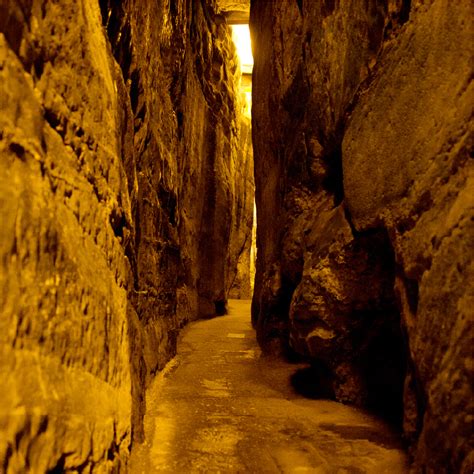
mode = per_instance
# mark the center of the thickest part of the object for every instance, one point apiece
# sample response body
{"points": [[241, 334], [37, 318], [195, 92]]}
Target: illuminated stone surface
{"points": [[125, 203], [126, 195], [222, 407], [362, 132]]}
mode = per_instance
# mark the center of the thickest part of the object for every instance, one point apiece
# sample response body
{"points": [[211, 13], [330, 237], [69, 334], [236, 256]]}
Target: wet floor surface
{"points": [[220, 407]]}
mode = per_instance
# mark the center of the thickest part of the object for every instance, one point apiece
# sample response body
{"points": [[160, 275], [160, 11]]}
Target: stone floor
{"points": [[221, 407]]}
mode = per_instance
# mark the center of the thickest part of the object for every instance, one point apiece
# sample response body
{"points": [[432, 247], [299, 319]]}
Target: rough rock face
{"points": [[236, 11], [424, 196], [361, 126], [121, 189], [241, 281], [343, 311]]}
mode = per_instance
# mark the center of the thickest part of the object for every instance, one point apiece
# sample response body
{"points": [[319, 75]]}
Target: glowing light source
{"points": [[241, 38]]}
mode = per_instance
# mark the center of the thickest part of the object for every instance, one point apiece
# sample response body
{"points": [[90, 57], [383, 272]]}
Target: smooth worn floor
{"points": [[221, 407]]}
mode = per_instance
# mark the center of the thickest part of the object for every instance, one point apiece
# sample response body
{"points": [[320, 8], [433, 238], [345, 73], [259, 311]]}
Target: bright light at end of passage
{"points": [[241, 38]]}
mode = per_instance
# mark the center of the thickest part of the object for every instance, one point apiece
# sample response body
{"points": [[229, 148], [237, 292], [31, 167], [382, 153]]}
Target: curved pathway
{"points": [[221, 407]]}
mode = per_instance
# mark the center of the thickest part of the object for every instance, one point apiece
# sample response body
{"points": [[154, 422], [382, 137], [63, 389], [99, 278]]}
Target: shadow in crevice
{"points": [[220, 307], [314, 382]]}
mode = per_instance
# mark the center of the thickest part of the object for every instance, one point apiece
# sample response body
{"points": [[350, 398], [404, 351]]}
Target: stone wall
{"points": [[362, 132], [241, 282], [120, 189]]}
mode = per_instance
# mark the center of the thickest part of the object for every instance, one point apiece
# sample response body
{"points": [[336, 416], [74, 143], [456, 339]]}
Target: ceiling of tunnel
{"points": [[236, 11]]}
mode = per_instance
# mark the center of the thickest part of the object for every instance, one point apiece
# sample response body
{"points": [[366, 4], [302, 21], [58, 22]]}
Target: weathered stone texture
{"points": [[64, 320], [240, 280], [236, 11], [115, 118], [362, 133], [424, 196]]}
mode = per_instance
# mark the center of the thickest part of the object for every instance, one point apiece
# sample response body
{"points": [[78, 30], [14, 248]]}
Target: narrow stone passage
{"points": [[221, 407], [160, 157]]}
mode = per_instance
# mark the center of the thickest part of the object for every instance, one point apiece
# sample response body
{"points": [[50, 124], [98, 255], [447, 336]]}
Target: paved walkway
{"points": [[221, 407]]}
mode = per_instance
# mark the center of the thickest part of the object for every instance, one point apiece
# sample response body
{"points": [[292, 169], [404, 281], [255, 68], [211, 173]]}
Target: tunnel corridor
{"points": [[213, 262]]}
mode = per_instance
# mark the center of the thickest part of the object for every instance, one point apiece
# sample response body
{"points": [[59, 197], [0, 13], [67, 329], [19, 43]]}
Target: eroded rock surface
{"points": [[122, 207], [235, 11], [362, 132]]}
